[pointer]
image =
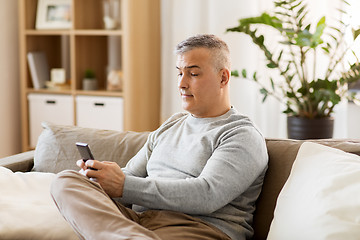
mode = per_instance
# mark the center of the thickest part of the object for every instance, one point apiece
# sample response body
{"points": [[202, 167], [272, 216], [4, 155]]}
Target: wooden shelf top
{"points": [[46, 32], [48, 91], [100, 93], [82, 32], [99, 32], [77, 92]]}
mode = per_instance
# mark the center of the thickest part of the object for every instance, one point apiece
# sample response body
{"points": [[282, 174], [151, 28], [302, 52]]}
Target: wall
{"points": [[10, 142]]}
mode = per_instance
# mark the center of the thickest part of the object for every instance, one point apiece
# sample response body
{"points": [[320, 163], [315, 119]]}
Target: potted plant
{"points": [[89, 81], [309, 96]]}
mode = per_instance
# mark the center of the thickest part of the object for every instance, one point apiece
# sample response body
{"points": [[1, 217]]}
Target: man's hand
{"points": [[109, 175]]}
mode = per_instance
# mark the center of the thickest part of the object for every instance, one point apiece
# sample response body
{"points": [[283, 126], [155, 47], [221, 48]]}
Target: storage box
{"points": [[100, 112], [54, 108]]}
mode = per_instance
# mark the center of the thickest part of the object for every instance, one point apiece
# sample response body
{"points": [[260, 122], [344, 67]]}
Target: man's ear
{"points": [[225, 76]]}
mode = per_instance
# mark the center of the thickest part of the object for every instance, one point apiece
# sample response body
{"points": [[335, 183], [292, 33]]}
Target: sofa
{"points": [[56, 151]]}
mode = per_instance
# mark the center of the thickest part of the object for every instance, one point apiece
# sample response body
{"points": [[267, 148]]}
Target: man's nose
{"points": [[182, 81]]}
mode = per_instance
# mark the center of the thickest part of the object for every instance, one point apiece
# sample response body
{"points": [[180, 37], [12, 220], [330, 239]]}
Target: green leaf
{"points": [[316, 38], [235, 73], [357, 59], [328, 45], [272, 84], [264, 18], [89, 73], [306, 39], [289, 110], [303, 41], [271, 65], [290, 95], [326, 50], [265, 93], [303, 90], [356, 33], [287, 68], [301, 19], [301, 10], [283, 14], [255, 77], [280, 54], [336, 29], [335, 38], [342, 11], [289, 31], [260, 40], [321, 22], [243, 73], [342, 23], [286, 42], [346, 2], [295, 6]]}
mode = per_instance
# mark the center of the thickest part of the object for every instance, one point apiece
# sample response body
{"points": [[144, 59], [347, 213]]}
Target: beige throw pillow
{"points": [[56, 149]]}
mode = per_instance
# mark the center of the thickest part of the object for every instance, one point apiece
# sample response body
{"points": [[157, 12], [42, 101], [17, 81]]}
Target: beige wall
{"points": [[9, 80]]}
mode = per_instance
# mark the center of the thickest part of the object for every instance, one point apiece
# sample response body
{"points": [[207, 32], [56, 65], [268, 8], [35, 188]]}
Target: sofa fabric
{"points": [[282, 153], [56, 150], [22, 162]]}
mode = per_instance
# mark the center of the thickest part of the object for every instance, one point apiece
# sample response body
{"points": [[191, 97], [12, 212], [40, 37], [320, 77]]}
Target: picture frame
{"points": [[53, 14]]}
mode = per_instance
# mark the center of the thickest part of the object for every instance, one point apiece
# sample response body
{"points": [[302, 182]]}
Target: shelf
{"points": [[95, 32], [80, 32], [103, 93], [100, 93], [87, 45], [48, 91], [46, 32]]}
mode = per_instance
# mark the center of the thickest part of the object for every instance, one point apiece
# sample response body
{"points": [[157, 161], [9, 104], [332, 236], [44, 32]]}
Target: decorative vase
{"points": [[89, 84], [305, 128], [111, 14]]}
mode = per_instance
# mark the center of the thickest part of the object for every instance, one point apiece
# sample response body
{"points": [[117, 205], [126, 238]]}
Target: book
{"points": [[39, 69]]}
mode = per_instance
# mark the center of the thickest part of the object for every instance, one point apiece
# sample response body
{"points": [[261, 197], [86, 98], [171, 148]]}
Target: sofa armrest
{"points": [[23, 162]]}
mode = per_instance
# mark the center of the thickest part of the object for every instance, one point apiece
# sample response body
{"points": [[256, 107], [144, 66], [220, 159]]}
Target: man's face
{"points": [[199, 83]]}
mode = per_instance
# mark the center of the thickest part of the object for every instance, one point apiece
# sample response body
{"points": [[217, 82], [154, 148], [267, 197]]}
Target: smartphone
{"points": [[85, 152]]}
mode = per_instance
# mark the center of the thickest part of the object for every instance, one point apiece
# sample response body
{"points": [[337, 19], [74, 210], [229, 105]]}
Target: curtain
{"points": [[184, 18]]}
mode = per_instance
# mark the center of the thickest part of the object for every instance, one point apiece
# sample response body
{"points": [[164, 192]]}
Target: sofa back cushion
{"points": [[282, 153], [56, 150]]}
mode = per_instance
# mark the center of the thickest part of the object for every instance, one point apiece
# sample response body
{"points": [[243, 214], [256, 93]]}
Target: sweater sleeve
{"points": [[137, 165], [235, 164]]}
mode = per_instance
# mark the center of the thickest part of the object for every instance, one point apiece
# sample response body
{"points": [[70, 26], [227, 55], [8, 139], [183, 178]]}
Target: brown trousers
{"points": [[94, 215]]}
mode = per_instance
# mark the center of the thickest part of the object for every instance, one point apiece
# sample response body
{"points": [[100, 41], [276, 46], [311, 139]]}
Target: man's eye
{"points": [[194, 74], [180, 74]]}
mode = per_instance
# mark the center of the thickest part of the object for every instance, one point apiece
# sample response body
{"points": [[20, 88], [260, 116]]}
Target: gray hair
{"points": [[219, 49]]}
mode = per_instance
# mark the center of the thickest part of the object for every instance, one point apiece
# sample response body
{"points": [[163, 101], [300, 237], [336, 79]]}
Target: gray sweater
{"points": [[210, 168]]}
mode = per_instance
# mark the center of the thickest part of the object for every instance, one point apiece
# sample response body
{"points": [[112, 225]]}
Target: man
{"points": [[197, 176]]}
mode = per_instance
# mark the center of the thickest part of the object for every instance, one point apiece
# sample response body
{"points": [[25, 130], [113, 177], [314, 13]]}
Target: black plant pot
{"points": [[304, 128]]}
